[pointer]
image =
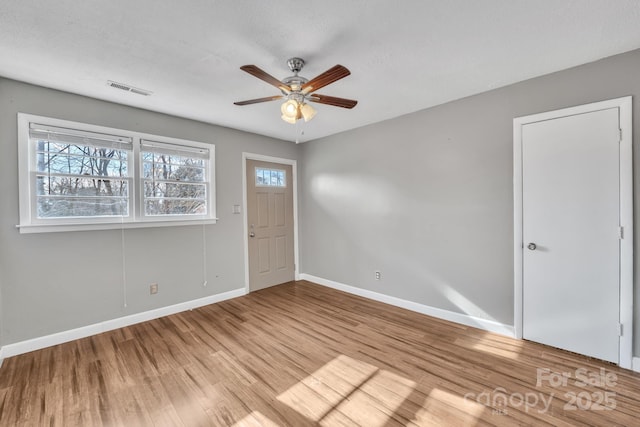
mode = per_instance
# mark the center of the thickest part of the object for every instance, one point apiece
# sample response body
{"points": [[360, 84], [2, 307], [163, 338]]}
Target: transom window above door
{"points": [[271, 177]]}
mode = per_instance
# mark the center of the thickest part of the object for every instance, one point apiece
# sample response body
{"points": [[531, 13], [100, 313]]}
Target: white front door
{"points": [[270, 223], [570, 232]]}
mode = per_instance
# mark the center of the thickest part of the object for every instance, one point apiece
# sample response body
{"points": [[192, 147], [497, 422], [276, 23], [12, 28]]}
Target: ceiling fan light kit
{"points": [[298, 91], [308, 112]]}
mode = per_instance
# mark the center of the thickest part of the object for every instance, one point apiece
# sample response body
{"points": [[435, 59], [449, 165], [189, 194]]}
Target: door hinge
{"points": [[620, 233], [619, 329], [619, 135]]}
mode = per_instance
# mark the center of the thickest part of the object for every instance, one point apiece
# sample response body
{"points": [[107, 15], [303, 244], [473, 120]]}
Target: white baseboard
{"points": [[108, 325], [464, 319], [635, 364]]}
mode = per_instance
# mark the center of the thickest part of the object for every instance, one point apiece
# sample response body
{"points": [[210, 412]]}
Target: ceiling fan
{"points": [[297, 91]]}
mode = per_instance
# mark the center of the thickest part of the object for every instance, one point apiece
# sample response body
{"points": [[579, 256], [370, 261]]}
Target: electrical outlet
{"points": [[153, 288], [378, 276]]}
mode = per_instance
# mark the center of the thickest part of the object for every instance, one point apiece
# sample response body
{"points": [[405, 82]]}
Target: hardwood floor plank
{"points": [[300, 354]]}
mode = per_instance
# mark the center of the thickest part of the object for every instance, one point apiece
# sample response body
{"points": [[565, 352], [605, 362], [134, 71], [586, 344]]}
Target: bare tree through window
{"points": [[174, 184], [75, 180]]}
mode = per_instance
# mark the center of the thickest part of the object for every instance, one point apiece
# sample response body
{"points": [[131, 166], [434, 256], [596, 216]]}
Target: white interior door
{"points": [[570, 231], [270, 224]]}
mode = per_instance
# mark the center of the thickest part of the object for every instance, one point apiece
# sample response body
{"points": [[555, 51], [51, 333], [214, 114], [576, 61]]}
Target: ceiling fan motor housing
{"points": [[295, 82]]}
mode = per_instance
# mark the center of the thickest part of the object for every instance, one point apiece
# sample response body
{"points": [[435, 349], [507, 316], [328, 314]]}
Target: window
{"points": [[270, 177], [79, 175], [75, 176], [174, 179]]}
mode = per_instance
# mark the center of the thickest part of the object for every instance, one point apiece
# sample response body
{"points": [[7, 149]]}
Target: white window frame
{"points": [[29, 223]]}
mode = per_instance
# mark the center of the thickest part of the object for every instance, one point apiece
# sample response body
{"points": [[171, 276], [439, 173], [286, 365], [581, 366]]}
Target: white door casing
{"points": [[572, 189]]}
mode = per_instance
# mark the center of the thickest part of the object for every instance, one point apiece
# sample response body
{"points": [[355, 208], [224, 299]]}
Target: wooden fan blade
{"points": [[257, 100], [264, 76], [332, 100], [331, 75]]}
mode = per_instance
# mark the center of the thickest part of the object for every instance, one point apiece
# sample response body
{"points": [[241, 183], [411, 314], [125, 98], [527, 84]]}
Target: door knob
{"points": [[252, 234], [532, 246]]}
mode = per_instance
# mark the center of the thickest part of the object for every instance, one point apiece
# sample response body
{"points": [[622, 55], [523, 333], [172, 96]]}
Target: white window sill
{"points": [[54, 228]]}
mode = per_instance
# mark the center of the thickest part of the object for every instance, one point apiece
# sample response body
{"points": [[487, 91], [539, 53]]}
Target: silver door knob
{"points": [[532, 246], [252, 234]]}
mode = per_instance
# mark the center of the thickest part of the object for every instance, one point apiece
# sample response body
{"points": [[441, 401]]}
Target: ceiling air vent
{"points": [[127, 88]]}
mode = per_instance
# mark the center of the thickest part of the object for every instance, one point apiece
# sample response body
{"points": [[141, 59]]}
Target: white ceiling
{"points": [[404, 55]]}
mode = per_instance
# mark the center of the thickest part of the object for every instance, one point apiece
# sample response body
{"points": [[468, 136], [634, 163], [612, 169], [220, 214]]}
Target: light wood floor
{"points": [[300, 354]]}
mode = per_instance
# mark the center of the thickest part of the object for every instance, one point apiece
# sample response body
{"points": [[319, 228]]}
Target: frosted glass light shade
{"points": [[308, 112], [290, 108], [288, 119]]}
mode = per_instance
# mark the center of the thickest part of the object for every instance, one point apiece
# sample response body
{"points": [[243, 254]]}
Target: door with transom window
{"points": [[269, 224]]}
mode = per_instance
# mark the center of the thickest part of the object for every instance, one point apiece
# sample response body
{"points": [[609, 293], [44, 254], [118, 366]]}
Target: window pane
{"points": [[153, 207], [170, 189], [80, 160], [80, 187], [69, 207], [44, 145], [172, 172], [172, 159], [270, 177], [70, 179], [76, 165], [174, 184]]}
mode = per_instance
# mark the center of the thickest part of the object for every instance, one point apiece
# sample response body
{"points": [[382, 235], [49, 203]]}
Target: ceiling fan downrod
{"points": [[295, 64]]}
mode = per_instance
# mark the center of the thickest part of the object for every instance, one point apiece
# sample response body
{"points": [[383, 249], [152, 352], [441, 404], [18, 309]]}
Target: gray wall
{"points": [[53, 282], [427, 198]]}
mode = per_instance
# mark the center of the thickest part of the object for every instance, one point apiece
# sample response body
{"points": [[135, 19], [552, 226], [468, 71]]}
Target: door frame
{"points": [[294, 180], [624, 104]]}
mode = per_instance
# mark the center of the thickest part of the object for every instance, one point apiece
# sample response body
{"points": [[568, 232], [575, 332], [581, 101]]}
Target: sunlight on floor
{"points": [[347, 391], [442, 405], [255, 419], [497, 349]]}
